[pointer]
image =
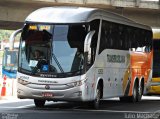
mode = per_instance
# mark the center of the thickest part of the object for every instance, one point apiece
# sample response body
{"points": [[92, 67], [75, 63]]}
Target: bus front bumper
{"points": [[71, 94]]}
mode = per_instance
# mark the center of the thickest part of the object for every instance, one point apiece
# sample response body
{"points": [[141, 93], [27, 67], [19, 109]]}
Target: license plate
{"points": [[47, 94]]}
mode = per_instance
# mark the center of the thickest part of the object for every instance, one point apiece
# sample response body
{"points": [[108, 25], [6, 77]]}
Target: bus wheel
{"points": [[96, 102], [140, 92], [39, 103], [134, 97]]}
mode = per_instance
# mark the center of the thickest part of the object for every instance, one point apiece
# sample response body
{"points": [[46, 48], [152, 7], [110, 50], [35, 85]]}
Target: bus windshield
{"points": [[52, 49], [10, 60]]}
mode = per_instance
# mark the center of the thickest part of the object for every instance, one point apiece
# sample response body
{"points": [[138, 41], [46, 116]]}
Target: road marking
{"points": [[8, 107], [150, 98], [109, 111], [13, 101], [26, 106], [31, 105]]}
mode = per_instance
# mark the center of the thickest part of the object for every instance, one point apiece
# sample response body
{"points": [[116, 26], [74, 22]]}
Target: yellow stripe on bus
{"points": [[156, 34], [156, 79], [154, 89]]}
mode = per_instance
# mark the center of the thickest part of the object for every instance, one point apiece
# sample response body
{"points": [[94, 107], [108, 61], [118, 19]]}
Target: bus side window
{"points": [[133, 40], [124, 41], [110, 38], [107, 35], [115, 40], [103, 38]]}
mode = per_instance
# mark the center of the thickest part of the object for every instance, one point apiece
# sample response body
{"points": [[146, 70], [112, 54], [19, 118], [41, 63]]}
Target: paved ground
{"points": [[149, 107]]}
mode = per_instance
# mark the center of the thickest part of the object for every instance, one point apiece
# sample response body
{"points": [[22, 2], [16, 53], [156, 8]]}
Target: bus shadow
{"points": [[143, 105], [115, 105]]}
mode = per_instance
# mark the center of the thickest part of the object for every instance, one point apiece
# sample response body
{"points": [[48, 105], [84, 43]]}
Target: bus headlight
{"points": [[23, 82], [77, 83]]}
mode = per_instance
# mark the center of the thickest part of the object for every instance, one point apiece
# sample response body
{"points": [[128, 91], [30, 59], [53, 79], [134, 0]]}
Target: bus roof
{"points": [[156, 33], [63, 14]]}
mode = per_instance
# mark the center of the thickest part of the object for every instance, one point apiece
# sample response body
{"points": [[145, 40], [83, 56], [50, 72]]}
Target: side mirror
{"points": [[12, 38], [147, 49], [87, 44]]}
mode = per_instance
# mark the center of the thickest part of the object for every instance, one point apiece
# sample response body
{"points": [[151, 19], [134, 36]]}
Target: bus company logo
{"points": [[48, 75], [45, 81], [47, 87]]}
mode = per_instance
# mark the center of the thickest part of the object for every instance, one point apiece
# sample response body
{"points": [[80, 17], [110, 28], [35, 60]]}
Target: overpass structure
{"points": [[14, 12]]}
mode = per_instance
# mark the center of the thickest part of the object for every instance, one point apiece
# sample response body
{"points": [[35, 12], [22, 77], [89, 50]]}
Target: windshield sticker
{"points": [[45, 67], [32, 27], [44, 27], [33, 63]]}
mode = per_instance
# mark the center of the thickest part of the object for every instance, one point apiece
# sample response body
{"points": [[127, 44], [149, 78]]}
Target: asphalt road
{"points": [[110, 109]]}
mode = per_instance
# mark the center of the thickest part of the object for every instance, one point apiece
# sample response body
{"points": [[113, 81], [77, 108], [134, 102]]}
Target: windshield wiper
{"points": [[57, 62]]}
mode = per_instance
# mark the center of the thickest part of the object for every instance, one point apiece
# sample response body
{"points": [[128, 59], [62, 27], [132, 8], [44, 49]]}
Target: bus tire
{"points": [[140, 92], [134, 96], [39, 103], [96, 102]]}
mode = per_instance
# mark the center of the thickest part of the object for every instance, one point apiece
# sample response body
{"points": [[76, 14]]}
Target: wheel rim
{"points": [[139, 92]]}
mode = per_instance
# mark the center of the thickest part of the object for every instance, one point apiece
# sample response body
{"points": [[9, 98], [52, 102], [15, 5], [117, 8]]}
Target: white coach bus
{"points": [[85, 54]]}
